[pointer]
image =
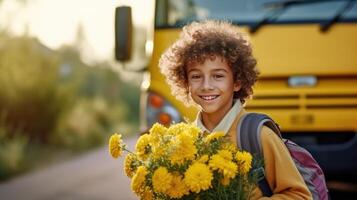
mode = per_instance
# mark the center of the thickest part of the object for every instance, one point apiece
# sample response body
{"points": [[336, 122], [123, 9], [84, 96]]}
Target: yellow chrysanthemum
{"points": [[142, 146], [225, 167], [214, 136], [129, 165], [157, 133], [116, 145], [158, 128], [177, 187], [161, 180], [176, 129], [138, 181], [158, 150], [203, 159], [244, 160], [194, 131], [183, 149], [182, 127], [225, 154], [229, 146], [147, 194], [198, 177]]}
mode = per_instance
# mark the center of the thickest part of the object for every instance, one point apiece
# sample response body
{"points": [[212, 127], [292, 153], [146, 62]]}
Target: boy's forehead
{"points": [[215, 63]]}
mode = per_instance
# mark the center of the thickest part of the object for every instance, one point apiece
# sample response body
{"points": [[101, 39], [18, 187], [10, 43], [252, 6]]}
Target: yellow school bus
{"points": [[307, 56]]}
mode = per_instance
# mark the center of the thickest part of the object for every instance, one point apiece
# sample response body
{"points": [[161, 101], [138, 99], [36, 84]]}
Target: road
{"points": [[93, 176]]}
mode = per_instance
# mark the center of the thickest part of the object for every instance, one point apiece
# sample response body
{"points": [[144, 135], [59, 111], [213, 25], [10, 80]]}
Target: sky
{"points": [[55, 22]]}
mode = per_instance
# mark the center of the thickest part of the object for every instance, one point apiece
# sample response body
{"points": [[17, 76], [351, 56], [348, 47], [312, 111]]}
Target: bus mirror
{"points": [[123, 33]]}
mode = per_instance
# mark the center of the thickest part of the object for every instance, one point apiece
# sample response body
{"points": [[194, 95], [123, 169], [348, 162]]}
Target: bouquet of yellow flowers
{"points": [[181, 162]]}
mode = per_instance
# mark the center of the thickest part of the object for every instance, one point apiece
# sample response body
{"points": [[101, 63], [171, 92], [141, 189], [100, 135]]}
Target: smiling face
{"points": [[211, 86]]}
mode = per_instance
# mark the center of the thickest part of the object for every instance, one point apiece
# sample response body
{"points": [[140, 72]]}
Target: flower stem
{"points": [[127, 150]]}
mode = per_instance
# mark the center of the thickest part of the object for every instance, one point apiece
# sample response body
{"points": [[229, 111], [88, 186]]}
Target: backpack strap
{"points": [[248, 139]]}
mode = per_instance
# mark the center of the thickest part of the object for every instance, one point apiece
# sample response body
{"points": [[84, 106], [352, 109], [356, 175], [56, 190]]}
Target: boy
{"points": [[212, 66]]}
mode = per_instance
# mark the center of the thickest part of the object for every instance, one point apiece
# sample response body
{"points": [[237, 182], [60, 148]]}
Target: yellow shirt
{"points": [[280, 170]]}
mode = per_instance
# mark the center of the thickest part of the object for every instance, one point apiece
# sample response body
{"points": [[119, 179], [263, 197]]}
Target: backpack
{"points": [[248, 139]]}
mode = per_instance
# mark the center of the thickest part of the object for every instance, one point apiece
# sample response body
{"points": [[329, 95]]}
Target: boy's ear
{"points": [[237, 86]]}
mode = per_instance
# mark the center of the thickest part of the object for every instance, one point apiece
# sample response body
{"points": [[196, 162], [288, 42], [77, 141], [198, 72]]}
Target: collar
{"points": [[225, 123]]}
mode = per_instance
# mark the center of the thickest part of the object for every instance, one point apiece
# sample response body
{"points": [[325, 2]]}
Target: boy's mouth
{"points": [[209, 98]]}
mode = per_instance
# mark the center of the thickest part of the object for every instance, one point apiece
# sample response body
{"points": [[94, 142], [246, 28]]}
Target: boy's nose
{"points": [[207, 85]]}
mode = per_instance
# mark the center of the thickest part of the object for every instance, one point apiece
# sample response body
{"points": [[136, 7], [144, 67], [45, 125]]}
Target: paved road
{"points": [[93, 176]]}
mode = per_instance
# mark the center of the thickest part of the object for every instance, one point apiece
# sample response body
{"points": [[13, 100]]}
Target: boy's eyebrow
{"points": [[224, 70], [190, 70]]}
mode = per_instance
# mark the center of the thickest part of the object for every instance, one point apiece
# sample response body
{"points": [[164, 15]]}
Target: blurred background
{"points": [[61, 93], [74, 72]]}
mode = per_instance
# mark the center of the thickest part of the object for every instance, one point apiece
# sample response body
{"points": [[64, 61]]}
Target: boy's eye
{"points": [[217, 76], [195, 76]]}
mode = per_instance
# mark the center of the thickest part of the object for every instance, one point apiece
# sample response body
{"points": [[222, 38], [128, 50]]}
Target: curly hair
{"points": [[205, 40]]}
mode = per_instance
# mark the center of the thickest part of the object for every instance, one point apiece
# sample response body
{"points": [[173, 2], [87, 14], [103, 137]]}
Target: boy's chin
{"points": [[209, 109]]}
